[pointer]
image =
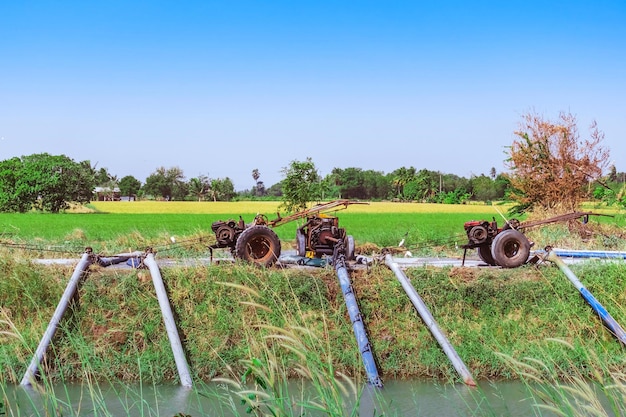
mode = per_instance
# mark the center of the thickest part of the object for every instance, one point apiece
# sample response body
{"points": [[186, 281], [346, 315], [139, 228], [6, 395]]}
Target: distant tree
{"points": [[349, 181], [259, 188], [129, 185], [14, 197], [376, 184], [199, 187], [275, 190], [551, 167], [102, 177], [423, 186], [452, 182], [486, 189], [44, 182], [166, 183], [222, 189], [612, 177], [401, 177], [358, 184], [300, 185]]}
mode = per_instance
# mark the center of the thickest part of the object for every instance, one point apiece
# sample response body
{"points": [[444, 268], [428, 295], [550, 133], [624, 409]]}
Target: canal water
{"points": [[397, 398]]}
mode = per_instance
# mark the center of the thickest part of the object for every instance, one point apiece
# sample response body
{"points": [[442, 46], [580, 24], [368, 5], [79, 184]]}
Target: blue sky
{"points": [[222, 88]]}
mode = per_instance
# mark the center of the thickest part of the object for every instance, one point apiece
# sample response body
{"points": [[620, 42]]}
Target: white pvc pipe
{"points": [[70, 290], [168, 320], [430, 322]]}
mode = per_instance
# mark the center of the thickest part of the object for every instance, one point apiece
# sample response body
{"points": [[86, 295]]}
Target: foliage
{"points": [[488, 188], [612, 191], [222, 189], [458, 196], [44, 182], [129, 185], [301, 185], [166, 183], [199, 187], [259, 188], [103, 177], [551, 167], [275, 190], [400, 178], [355, 183]]}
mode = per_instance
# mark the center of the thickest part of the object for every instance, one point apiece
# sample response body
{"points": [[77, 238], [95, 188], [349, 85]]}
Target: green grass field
{"points": [[122, 226]]}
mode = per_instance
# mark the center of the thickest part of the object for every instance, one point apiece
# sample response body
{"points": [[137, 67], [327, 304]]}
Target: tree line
{"points": [[549, 166], [51, 182]]}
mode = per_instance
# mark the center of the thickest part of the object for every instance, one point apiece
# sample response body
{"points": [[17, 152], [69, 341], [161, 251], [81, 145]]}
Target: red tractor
{"points": [[258, 243], [508, 247]]}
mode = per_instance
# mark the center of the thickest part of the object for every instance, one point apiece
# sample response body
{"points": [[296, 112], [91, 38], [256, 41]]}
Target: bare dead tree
{"points": [[551, 166]]}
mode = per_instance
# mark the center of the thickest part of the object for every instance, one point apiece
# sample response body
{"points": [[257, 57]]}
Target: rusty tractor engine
{"points": [[506, 247], [319, 236], [254, 242], [257, 242]]}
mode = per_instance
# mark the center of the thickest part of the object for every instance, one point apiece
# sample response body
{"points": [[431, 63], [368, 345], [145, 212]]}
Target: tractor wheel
{"points": [[510, 248], [300, 243], [484, 253], [258, 244], [349, 246]]}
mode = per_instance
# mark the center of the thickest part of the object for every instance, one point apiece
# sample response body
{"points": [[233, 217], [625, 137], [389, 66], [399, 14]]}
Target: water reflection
{"points": [[397, 398]]}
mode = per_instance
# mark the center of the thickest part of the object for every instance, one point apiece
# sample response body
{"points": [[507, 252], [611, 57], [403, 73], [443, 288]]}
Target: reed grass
{"points": [[256, 329], [262, 333], [601, 392]]}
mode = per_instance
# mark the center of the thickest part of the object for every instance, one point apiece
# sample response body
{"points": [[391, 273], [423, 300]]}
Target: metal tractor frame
{"points": [[256, 242], [507, 247]]}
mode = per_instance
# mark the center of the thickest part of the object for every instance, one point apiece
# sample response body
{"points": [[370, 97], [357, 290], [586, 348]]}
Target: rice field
{"points": [[271, 207], [426, 229]]}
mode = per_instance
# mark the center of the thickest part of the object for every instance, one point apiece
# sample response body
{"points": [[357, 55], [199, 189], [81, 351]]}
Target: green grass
{"points": [[115, 330], [425, 233], [483, 311], [268, 325]]}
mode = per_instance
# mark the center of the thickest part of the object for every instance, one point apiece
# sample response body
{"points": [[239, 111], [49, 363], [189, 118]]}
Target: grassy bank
{"points": [[238, 321], [225, 313]]}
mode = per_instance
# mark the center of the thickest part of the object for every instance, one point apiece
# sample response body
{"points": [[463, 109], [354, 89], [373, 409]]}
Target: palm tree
{"points": [[401, 177], [199, 187]]}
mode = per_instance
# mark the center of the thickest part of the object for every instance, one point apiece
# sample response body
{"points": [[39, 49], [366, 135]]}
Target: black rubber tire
{"points": [[350, 248], [510, 248], [300, 243], [484, 253], [258, 244]]}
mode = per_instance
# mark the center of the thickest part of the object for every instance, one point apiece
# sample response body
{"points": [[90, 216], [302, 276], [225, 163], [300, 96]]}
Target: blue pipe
{"points": [[589, 254], [608, 320], [357, 320]]}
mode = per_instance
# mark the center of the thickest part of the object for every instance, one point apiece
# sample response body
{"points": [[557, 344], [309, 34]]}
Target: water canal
{"points": [[397, 398]]}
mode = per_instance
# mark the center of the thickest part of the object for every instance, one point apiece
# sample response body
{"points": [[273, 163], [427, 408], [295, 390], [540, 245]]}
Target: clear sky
{"points": [[222, 88]]}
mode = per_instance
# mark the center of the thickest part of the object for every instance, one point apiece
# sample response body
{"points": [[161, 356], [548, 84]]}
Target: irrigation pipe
{"points": [[357, 320], [608, 320], [600, 254], [70, 290], [430, 322], [168, 320]]}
